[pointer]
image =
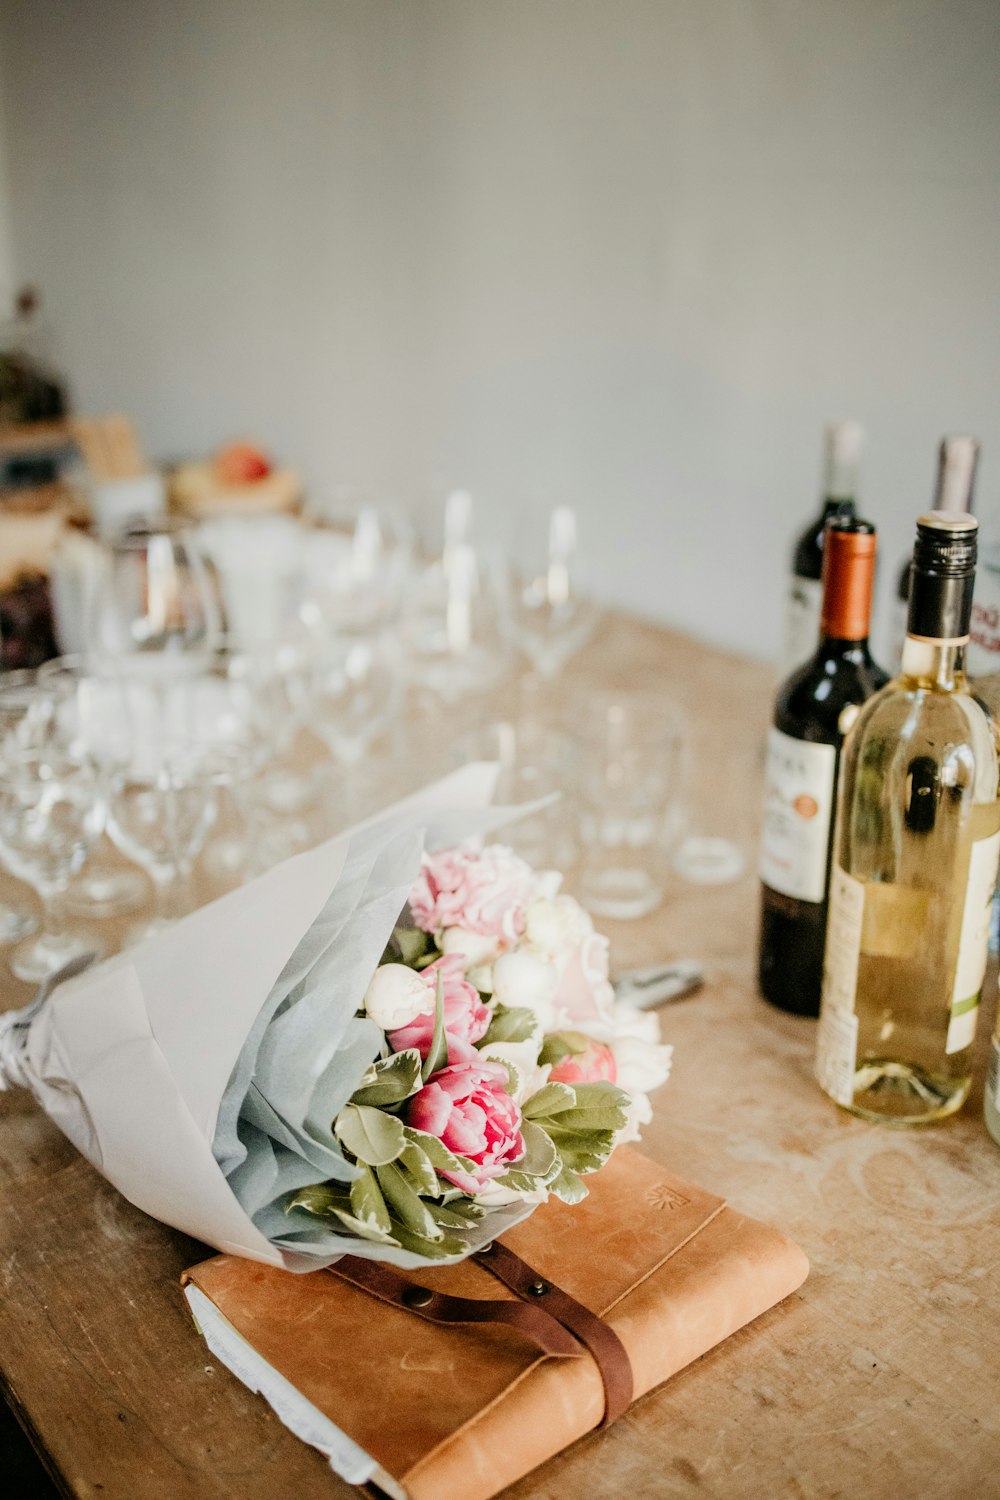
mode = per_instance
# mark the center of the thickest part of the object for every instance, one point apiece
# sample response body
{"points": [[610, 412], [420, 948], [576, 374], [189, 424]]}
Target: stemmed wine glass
{"points": [[553, 615], [455, 627], [355, 696], [161, 779], [156, 604], [51, 812]]}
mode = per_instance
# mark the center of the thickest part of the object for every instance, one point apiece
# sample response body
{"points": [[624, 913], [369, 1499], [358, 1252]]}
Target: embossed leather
{"points": [[460, 1412]]}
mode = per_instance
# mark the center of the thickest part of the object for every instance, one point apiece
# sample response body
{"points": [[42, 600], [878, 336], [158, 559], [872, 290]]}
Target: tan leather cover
{"points": [[460, 1413]]}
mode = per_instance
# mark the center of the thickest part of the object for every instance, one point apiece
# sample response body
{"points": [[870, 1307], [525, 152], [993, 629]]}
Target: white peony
{"points": [[397, 995], [475, 947], [523, 1058], [525, 980], [554, 925]]}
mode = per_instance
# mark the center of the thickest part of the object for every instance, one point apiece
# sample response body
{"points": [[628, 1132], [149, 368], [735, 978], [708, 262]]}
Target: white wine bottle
{"points": [[914, 862], [958, 456]]}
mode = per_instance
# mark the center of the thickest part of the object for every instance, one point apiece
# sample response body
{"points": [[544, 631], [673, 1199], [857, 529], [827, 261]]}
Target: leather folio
{"points": [[585, 1308]]}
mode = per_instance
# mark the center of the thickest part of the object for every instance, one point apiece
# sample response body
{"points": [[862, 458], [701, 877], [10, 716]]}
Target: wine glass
{"points": [[355, 696], [161, 778], [104, 888], [455, 627], [16, 922], [552, 612], [157, 599], [357, 556], [51, 814]]}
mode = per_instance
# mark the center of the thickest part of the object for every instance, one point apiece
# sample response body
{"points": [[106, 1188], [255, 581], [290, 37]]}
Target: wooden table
{"points": [[878, 1379]]}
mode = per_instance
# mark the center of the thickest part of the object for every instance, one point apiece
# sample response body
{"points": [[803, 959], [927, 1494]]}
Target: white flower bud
{"points": [[396, 996]]}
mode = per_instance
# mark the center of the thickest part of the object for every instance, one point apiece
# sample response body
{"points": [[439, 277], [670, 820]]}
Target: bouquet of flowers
{"points": [[506, 1069], [392, 1046]]}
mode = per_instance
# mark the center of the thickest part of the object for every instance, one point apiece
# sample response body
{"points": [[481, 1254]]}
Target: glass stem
{"points": [[53, 924]]}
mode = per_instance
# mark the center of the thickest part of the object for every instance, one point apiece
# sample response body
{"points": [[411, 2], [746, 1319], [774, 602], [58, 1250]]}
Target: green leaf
{"points": [[321, 1198], [390, 1080], [426, 959], [568, 1187], [412, 943], [366, 1230], [373, 1137], [430, 1249], [461, 1214], [581, 1150], [599, 1106], [540, 1163], [405, 1204], [510, 1023], [419, 1170], [556, 1049], [437, 1057], [550, 1099], [367, 1203], [440, 1157]]}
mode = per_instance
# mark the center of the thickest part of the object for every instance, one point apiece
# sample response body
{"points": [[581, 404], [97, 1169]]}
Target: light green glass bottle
{"points": [[915, 862]]}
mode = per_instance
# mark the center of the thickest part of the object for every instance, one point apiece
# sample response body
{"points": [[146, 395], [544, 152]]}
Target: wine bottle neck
{"points": [[835, 648], [939, 664]]}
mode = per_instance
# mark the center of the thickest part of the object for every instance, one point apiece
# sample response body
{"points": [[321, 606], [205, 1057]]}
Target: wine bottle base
{"points": [[889, 1092]]}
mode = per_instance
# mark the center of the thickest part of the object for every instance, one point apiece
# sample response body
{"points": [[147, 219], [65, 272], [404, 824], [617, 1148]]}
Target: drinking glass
{"points": [[357, 556], [51, 814], [16, 922], [157, 598], [552, 613], [456, 626], [356, 694], [162, 776], [104, 888], [628, 789], [242, 710], [535, 761]]}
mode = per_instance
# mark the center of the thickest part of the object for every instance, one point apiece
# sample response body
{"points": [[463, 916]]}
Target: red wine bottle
{"points": [[814, 710], [840, 482]]}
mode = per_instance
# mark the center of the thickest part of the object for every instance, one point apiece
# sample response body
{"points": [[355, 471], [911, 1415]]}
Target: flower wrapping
{"points": [[211, 1074]]}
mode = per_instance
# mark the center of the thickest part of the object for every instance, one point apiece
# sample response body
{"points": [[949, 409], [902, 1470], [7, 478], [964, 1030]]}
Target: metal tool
{"points": [[660, 984]]}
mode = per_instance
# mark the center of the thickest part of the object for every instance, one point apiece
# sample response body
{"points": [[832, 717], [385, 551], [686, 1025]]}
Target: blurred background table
{"points": [[877, 1379]]}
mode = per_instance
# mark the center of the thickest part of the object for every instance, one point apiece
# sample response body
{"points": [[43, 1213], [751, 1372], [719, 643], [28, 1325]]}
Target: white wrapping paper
{"points": [[224, 1047]]}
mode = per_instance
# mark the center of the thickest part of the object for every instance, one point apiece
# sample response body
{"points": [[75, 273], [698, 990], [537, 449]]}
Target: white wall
{"points": [[632, 254]]}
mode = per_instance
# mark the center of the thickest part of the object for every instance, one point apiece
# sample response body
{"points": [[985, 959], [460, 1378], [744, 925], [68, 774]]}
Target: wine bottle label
{"points": [[973, 943], [798, 811], [837, 1054], [805, 599], [837, 1044]]}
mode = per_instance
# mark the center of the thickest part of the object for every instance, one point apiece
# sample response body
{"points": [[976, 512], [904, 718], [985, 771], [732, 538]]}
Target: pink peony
{"points": [[468, 1108], [592, 1063], [466, 1018], [485, 891]]}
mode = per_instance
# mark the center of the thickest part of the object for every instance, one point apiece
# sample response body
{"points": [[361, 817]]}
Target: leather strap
{"points": [[597, 1336], [536, 1323]]}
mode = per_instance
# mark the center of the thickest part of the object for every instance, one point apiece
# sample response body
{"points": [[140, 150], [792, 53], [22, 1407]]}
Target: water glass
{"points": [[628, 792], [535, 761], [157, 598]]}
